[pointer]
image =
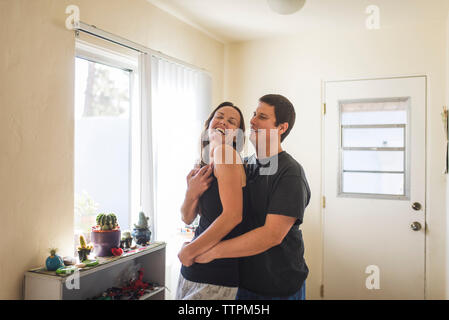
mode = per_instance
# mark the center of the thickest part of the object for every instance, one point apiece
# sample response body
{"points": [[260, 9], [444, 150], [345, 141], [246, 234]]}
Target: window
{"points": [[104, 139], [181, 102], [137, 135], [373, 148]]}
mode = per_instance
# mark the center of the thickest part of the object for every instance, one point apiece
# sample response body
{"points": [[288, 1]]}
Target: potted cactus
{"points": [[105, 235], [83, 249]]}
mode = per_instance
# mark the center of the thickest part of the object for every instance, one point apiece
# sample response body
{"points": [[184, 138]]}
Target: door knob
{"points": [[416, 226], [416, 206]]}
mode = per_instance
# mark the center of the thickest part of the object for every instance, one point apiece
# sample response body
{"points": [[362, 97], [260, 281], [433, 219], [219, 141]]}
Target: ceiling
{"points": [[243, 20]]}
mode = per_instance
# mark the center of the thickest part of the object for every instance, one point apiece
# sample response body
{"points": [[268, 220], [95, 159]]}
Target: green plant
{"points": [[83, 249], [83, 245], [106, 221]]}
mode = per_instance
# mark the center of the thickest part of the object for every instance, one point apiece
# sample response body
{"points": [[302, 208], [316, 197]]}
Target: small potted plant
{"points": [[127, 240], [83, 249], [105, 235]]}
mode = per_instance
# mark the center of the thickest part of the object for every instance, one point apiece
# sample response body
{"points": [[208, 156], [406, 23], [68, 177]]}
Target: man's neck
{"points": [[268, 154]]}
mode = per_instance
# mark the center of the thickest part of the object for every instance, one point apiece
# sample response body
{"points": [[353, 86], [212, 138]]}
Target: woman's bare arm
{"points": [[229, 177]]}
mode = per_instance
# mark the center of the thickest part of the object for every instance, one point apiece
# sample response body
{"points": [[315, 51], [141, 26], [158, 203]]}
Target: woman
{"points": [[220, 208]]}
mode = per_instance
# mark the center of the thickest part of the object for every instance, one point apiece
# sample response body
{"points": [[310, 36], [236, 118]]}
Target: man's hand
{"points": [[207, 256], [184, 256], [198, 181]]}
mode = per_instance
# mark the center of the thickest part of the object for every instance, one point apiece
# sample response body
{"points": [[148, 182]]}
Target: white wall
{"points": [[295, 66], [447, 182]]}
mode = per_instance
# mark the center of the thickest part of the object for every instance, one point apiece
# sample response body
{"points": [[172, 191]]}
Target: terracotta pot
{"points": [[104, 241]]}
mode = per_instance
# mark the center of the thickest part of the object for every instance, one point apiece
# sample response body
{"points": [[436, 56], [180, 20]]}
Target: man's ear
{"points": [[283, 127]]}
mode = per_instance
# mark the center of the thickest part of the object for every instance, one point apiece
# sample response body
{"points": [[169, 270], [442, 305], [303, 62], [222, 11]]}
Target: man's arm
{"points": [[253, 242], [287, 205]]}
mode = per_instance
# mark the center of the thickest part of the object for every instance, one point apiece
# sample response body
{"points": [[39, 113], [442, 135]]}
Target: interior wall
{"points": [[447, 182], [37, 114], [295, 67]]}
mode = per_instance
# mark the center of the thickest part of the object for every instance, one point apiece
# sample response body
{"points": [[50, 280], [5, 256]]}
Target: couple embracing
{"points": [[248, 245]]}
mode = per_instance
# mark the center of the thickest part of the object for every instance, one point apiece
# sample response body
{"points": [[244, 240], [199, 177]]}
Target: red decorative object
{"points": [[137, 287], [117, 251]]}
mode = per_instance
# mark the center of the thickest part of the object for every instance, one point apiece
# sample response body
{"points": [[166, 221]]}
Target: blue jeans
{"points": [[243, 294]]}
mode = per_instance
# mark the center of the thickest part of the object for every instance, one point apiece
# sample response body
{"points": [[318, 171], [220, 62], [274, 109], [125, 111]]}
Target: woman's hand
{"points": [[184, 255], [198, 181]]}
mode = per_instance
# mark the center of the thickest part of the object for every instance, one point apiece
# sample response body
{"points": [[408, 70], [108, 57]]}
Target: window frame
{"points": [[405, 149], [98, 54]]}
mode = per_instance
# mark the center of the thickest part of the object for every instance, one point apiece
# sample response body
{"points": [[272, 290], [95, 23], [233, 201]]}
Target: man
{"points": [[272, 249]]}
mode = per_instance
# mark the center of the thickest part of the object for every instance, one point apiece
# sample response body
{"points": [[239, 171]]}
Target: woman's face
{"points": [[223, 126]]}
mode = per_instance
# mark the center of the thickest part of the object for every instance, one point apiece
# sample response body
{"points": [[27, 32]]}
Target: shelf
{"points": [[41, 284], [152, 293], [104, 263]]}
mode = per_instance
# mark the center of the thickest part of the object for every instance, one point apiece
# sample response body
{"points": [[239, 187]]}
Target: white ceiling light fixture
{"points": [[286, 6]]}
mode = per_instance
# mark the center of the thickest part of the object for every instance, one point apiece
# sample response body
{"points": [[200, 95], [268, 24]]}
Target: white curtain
{"points": [[180, 103]]}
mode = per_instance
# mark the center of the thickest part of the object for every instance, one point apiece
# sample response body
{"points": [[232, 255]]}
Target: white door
{"points": [[374, 189]]}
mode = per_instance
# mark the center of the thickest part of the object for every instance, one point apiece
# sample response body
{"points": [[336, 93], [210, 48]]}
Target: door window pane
{"points": [[374, 117], [393, 111], [373, 160], [373, 137], [373, 183]]}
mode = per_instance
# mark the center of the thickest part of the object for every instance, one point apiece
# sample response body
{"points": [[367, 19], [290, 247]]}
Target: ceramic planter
{"points": [[141, 236], [104, 241]]}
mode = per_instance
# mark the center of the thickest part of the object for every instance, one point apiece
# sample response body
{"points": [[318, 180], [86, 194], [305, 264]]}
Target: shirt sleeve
{"points": [[289, 197]]}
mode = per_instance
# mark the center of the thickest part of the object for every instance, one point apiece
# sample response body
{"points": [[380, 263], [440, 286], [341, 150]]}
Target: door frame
{"points": [[322, 199]]}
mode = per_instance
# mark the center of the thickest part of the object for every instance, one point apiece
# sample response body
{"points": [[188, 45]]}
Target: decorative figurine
{"points": [[69, 261], [105, 235], [66, 270], [83, 249], [127, 240], [141, 232], [54, 262]]}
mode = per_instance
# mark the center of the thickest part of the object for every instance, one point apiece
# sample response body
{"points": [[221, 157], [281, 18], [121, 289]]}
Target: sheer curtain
{"points": [[180, 103]]}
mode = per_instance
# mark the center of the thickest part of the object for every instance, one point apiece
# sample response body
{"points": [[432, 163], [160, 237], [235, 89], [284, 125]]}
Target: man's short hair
{"points": [[283, 110]]}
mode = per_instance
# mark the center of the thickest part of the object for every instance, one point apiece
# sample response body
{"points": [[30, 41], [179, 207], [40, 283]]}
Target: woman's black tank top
{"points": [[221, 272]]}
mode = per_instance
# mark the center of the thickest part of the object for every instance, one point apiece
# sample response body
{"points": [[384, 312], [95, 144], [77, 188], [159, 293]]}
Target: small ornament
{"points": [[117, 251], [54, 262], [69, 261], [141, 232]]}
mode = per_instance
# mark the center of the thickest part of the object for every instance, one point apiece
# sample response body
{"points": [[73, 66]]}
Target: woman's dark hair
{"points": [[283, 110], [204, 159]]}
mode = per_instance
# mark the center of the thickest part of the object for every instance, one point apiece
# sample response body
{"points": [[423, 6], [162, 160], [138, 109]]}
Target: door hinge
{"points": [[324, 202], [324, 108], [322, 291]]}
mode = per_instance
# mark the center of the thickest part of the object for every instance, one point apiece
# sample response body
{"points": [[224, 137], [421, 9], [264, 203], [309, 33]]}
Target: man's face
{"points": [[262, 123]]}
